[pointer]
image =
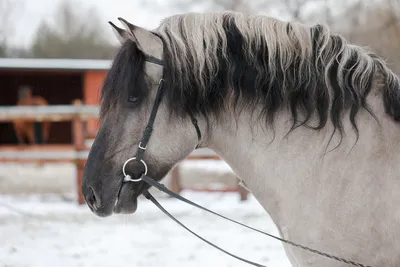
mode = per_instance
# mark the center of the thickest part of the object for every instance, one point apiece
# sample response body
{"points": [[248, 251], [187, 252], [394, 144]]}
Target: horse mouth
{"points": [[127, 199]]}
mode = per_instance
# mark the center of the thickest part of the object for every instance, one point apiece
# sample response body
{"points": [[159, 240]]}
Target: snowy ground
{"points": [[56, 232]]}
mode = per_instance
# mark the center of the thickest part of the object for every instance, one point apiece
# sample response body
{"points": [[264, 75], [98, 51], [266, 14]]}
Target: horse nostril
{"points": [[92, 199]]}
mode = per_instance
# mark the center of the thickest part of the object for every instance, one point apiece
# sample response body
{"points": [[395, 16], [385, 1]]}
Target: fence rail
{"points": [[78, 152], [59, 152], [51, 113]]}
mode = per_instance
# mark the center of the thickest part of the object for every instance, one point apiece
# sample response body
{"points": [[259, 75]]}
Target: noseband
{"points": [[139, 157]]}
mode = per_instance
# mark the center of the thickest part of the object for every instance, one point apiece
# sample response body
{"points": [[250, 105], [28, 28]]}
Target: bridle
{"points": [[149, 128], [151, 182]]}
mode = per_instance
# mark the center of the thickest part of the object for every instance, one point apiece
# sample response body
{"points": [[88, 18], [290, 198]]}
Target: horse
{"points": [[308, 121], [32, 132]]}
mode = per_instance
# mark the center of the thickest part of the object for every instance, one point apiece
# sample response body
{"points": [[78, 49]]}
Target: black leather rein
{"points": [[139, 157]]}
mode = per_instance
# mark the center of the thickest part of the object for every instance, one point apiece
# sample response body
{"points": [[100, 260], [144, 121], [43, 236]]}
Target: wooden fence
{"points": [[78, 152]]}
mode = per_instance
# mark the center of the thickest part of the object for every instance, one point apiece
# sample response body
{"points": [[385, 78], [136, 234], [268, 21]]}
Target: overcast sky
{"points": [[35, 10]]}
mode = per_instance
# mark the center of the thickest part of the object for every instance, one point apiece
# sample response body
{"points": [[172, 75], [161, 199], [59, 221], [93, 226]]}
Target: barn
{"points": [[59, 81]]}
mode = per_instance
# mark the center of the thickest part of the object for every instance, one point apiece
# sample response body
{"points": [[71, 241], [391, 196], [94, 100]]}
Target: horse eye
{"points": [[133, 99]]}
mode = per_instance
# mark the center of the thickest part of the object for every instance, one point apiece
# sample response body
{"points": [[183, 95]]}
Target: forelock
{"points": [[126, 76]]}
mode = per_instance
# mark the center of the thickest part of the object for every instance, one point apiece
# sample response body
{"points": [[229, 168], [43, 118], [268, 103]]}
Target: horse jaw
{"points": [[341, 202]]}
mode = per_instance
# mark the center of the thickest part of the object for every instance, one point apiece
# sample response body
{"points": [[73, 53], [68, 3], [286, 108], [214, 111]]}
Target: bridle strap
{"points": [[154, 60], [196, 126], [149, 128]]}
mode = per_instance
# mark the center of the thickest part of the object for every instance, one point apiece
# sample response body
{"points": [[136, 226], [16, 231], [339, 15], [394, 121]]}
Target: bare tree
{"points": [[8, 10], [72, 35], [375, 25], [196, 5], [286, 9], [391, 14], [294, 7], [232, 5]]}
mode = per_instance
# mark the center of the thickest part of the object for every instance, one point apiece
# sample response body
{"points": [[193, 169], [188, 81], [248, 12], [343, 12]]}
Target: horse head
{"points": [[135, 119], [24, 93]]}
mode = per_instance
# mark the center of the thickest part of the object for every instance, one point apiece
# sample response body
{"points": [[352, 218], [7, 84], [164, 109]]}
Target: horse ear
{"points": [[144, 39], [121, 34]]}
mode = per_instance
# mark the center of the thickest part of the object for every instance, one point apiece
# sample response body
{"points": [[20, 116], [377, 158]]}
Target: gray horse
{"points": [[308, 121]]}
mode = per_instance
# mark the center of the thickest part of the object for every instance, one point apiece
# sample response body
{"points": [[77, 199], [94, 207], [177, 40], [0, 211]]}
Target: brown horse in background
{"points": [[25, 129]]}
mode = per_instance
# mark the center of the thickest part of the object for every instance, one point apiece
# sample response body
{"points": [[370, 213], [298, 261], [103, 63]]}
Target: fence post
{"points": [[242, 191], [79, 139], [175, 182]]}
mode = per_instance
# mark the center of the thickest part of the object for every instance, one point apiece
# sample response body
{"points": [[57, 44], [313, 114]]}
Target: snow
{"points": [[57, 232], [41, 224], [60, 178]]}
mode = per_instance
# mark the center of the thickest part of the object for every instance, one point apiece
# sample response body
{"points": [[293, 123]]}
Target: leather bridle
{"points": [[149, 128], [151, 182]]}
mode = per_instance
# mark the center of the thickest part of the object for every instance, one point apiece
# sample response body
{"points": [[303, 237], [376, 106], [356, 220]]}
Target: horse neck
{"points": [[251, 150], [281, 169]]}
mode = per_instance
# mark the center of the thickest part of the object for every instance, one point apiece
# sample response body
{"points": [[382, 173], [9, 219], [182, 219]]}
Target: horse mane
{"points": [[258, 60], [249, 60]]}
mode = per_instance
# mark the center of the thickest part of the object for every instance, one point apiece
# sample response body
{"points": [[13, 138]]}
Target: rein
{"points": [[139, 157]]}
